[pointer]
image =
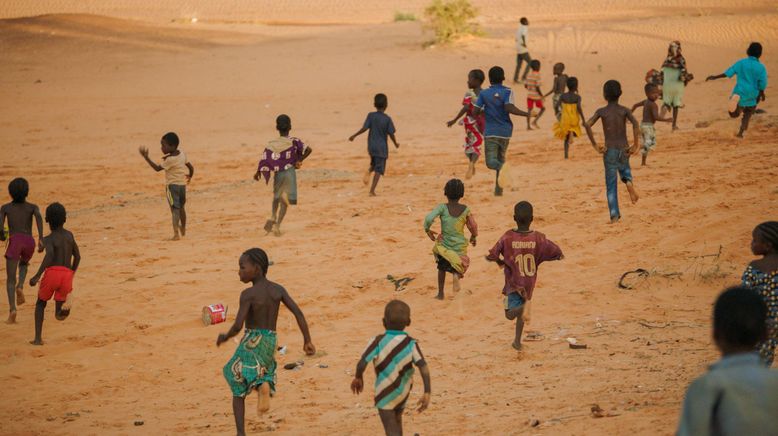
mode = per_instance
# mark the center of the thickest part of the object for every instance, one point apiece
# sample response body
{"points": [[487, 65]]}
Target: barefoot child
{"points": [[519, 252], [474, 124], [617, 150], [762, 276], [534, 94], [58, 267], [380, 126], [569, 107], [650, 116], [393, 354], [253, 365], [282, 156], [450, 247], [749, 89], [21, 244], [175, 164], [560, 81]]}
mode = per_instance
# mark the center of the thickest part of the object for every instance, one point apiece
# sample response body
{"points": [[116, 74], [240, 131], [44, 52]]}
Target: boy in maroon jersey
{"points": [[522, 251]]}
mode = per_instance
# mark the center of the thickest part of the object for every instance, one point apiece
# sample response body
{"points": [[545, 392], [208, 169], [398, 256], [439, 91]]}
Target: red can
{"points": [[214, 314]]}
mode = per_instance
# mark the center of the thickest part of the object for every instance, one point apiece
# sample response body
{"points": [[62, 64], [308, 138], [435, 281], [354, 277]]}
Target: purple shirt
{"points": [[281, 154]]}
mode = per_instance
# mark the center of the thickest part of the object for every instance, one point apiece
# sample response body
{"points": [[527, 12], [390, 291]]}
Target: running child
{"points": [[749, 88], [650, 116], [534, 94], [450, 249], [762, 276], [568, 125], [58, 268], [393, 354], [253, 366], [474, 124], [617, 150], [175, 164], [380, 126], [519, 252], [282, 156], [21, 244], [560, 81]]}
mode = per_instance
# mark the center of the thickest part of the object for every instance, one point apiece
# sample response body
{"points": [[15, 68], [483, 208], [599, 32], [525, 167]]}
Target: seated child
{"points": [[569, 107], [650, 116], [393, 354], [58, 268], [519, 252]]}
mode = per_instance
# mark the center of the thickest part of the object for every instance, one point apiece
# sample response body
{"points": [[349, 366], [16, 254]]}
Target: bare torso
{"points": [[614, 124], [560, 82], [19, 217], [650, 111], [263, 300], [61, 245]]}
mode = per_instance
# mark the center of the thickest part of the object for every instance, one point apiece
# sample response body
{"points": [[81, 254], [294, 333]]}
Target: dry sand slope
{"points": [[81, 92]]}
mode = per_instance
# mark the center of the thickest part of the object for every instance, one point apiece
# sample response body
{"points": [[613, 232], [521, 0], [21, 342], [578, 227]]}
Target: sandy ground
{"points": [[81, 92]]}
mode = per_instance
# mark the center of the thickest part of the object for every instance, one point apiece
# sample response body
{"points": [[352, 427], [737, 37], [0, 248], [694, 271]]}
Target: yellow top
{"points": [[568, 121]]}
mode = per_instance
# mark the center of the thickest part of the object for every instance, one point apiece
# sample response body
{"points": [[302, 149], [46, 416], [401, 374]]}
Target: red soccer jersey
{"points": [[522, 253]]}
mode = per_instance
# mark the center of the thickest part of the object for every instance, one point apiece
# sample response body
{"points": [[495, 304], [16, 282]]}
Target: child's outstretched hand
{"points": [[432, 235], [221, 339], [34, 280], [357, 385], [256, 176], [309, 349], [472, 240], [424, 402], [451, 123], [351, 138], [143, 151]]}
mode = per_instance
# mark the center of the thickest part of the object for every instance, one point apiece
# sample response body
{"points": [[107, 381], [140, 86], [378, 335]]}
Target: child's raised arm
{"points": [[298, 315], [716, 77], [145, 153], [365, 128], [637, 105], [243, 310], [511, 108], [461, 113]]}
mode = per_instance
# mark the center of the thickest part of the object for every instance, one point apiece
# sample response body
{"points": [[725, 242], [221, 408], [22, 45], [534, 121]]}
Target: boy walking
{"points": [[497, 103], [560, 81], [650, 116], [617, 150], [534, 94], [380, 126], [393, 354], [737, 396], [21, 245], [519, 252], [522, 52], [175, 164], [749, 88]]}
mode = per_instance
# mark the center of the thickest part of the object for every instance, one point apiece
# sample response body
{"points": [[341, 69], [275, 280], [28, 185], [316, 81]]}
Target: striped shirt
{"points": [[393, 353], [532, 83]]}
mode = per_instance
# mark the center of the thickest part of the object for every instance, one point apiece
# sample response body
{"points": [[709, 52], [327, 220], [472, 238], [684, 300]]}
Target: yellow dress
{"points": [[568, 121]]}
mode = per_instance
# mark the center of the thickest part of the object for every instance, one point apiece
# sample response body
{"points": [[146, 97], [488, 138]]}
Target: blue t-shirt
{"points": [[751, 78], [380, 125], [492, 101]]}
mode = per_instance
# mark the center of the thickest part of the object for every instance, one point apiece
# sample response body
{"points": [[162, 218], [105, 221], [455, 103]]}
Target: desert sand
{"points": [[88, 82]]}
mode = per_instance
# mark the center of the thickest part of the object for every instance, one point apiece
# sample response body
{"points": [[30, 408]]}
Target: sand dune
{"points": [[81, 92]]}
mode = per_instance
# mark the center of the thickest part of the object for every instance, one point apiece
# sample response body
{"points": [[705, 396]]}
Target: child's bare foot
{"points": [[175, 237], [633, 195], [366, 178], [183, 231], [19, 295], [739, 135], [37, 342], [529, 128], [470, 171], [372, 194], [276, 229], [456, 287], [11, 318], [440, 296], [269, 225], [263, 405], [734, 100], [615, 219], [517, 346], [535, 124]]}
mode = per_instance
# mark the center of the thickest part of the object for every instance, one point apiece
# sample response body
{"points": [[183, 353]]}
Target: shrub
{"points": [[451, 19], [404, 16]]}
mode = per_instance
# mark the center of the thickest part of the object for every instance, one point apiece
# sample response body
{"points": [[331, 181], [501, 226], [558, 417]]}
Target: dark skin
{"points": [[573, 97], [474, 84], [179, 215], [542, 110], [509, 107], [376, 176], [650, 111], [19, 216], [61, 250], [769, 261], [259, 306], [392, 419], [746, 114], [614, 117], [455, 209], [560, 81]]}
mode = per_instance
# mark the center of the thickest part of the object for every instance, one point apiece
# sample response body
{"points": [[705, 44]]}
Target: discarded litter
{"points": [[399, 283]]}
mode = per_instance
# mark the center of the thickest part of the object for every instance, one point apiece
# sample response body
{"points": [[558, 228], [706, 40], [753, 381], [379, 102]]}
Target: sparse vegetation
{"points": [[451, 19], [404, 16]]}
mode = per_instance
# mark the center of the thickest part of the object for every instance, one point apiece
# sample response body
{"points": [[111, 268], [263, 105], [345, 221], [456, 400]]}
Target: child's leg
{"points": [[10, 286], [182, 220], [40, 306], [23, 266], [471, 159], [366, 177], [376, 176], [567, 144], [441, 284], [392, 425], [540, 114], [625, 172], [176, 214], [519, 330], [239, 410], [60, 313], [276, 201], [747, 112], [611, 182], [456, 287], [263, 392], [675, 117]]}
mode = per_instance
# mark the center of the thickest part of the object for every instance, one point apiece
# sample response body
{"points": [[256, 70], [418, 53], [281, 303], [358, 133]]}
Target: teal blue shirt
{"points": [[751, 78]]}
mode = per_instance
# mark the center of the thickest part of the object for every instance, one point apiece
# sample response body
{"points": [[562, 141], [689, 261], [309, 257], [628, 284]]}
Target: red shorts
{"points": [[20, 247], [57, 281], [534, 103]]}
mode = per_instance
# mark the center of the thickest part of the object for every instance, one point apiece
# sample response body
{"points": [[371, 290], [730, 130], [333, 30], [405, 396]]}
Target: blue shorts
{"points": [[513, 301], [378, 164]]}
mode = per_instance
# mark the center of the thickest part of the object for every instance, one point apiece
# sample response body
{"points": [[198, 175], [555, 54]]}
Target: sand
{"points": [[82, 90]]}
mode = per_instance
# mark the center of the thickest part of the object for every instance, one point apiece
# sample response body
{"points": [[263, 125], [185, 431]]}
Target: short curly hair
{"points": [[19, 189], [454, 189], [56, 215]]}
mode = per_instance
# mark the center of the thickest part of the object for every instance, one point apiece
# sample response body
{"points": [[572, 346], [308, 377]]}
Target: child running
{"points": [[749, 88], [534, 94], [650, 116], [617, 150], [393, 354], [568, 125], [282, 156], [762, 276], [474, 124], [519, 252], [380, 126], [21, 244], [253, 365], [58, 268], [450, 247], [560, 81], [175, 164]]}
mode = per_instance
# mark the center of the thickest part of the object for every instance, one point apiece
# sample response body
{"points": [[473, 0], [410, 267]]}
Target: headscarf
{"points": [[676, 60]]}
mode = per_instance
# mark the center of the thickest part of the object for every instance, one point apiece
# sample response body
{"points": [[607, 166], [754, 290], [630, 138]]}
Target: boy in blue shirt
{"points": [[749, 88], [380, 126], [497, 103]]}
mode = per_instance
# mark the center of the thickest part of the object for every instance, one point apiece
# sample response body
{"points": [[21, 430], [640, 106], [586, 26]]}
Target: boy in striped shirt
{"points": [[393, 354], [534, 94]]}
